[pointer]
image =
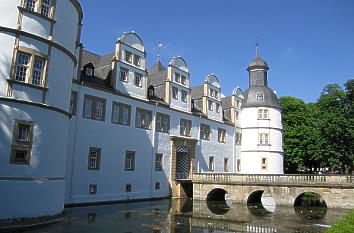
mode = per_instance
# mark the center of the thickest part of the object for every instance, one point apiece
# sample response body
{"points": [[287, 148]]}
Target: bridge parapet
{"points": [[276, 179]]}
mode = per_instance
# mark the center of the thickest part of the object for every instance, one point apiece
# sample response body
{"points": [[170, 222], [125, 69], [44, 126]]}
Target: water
{"points": [[185, 216]]}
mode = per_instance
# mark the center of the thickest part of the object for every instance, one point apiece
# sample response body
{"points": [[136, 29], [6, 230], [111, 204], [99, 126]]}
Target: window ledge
{"points": [[267, 119], [12, 81], [23, 9], [264, 144]]}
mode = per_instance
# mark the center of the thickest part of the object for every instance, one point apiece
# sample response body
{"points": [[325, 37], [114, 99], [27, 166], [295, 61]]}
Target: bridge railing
{"points": [[275, 178]]}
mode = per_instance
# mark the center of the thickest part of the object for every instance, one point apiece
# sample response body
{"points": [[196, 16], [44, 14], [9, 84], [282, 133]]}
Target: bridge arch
{"points": [[309, 198], [216, 194]]}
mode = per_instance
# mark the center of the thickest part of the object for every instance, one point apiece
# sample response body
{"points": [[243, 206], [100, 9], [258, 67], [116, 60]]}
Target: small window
{"points": [[37, 73], [185, 127], [222, 135], [204, 132], [177, 77], [158, 162], [263, 114], [92, 189], [259, 96], [29, 69], [94, 159], [91, 218], [130, 161], [22, 142], [94, 108], [264, 164], [175, 93], [184, 96], [212, 94], [128, 56], [217, 106], [73, 103], [121, 113], [138, 80], [238, 165], [263, 139], [45, 7], [143, 118], [184, 80], [30, 5], [89, 72], [211, 163], [237, 115], [157, 185], [162, 122], [238, 138], [128, 188], [137, 60], [42, 7], [124, 74], [210, 105], [260, 113], [226, 164]]}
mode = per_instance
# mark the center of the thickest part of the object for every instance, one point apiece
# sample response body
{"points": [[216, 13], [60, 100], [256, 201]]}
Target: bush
{"points": [[343, 225]]}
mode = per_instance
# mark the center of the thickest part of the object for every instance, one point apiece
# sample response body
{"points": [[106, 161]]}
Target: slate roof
{"points": [[157, 74], [197, 92], [270, 99]]}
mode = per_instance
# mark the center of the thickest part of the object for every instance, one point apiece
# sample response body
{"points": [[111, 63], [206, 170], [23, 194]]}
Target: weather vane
{"points": [[257, 46], [158, 50]]}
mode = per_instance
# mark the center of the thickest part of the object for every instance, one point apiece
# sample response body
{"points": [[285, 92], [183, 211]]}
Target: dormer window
{"points": [[151, 91], [218, 108], [137, 60], [184, 96], [210, 105], [259, 96], [137, 80], [174, 93], [89, 72], [212, 94], [177, 77], [184, 80], [128, 56], [124, 74], [42, 7]]}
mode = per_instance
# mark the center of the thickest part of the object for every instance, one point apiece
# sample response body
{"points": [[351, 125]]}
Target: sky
{"points": [[306, 43]]}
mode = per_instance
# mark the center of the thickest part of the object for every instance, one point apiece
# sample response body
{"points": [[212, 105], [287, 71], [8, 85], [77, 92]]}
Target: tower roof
{"points": [[257, 62]]}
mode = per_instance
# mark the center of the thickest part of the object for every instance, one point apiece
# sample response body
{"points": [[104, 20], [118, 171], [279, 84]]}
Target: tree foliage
{"points": [[321, 134]]}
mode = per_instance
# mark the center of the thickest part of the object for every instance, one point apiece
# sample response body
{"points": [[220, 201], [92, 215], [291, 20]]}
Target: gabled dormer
{"points": [[129, 66], [232, 106], [88, 70], [177, 88]]}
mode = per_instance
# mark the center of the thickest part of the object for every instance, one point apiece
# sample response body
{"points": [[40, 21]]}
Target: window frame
{"points": [[22, 145], [138, 64], [210, 106], [161, 117], [126, 54], [203, 136], [211, 164], [264, 163], [259, 96], [98, 158], [238, 138], [126, 71], [94, 186], [38, 8], [93, 113], [184, 94], [159, 162], [185, 131], [226, 164], [143, 125], [177, 77], [175, 97], [121, 113], [263, 139], [140, 76], [128, 187], [183, 80], [221, 135], [132, 161]]}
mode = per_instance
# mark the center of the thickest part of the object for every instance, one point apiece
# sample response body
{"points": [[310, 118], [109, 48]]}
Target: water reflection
{"points": [[185, 216]]}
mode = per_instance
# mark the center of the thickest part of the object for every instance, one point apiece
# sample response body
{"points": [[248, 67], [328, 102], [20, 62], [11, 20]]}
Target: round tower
{"points": [[262, 131], [38, 56]]}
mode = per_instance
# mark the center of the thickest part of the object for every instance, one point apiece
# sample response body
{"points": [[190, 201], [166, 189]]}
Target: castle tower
{"points": [[38, 57], [262, 131]]}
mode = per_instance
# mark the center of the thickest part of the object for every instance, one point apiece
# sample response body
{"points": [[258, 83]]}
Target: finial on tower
{"points": [[257, 47], [158, 51]]}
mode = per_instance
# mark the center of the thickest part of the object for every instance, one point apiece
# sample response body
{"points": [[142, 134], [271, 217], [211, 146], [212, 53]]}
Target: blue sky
{"points": [[307, 43]]}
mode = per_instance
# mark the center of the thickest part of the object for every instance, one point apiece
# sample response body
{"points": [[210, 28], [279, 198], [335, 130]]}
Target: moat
{"points": [[187, 216]]}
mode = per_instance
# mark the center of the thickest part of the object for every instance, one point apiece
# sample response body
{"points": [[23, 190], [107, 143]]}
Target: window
{"points": [[238, 104], [226, 164], [22, 142], [222, 135], [162, 122], [73, 103], [210, 105], [263, 139], [89, 72], [185, 127], [29, 69], [143, 118], [184, 96], [259, 96], [264, 164], [91, 218], [157, 186], [237, 115], [137, 60], [175, 93], [94, 108], [216, 94], [263, 114], [184, 80], [212, 94], [92, 189], [128, 56], [42, 7], [130, 161], [211, 163], [94, 159], [158, 162], [128, 188], [204, 132], [177, 77], [238, 165], [217, 108], [124, 74], [238, 138], [121, 113], [138, 80]]}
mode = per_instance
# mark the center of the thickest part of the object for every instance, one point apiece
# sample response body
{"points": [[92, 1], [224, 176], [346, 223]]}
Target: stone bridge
{"points": [[337, 191]]}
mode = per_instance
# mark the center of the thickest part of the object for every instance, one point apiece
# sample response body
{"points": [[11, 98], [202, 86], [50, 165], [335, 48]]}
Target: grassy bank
{"points": [[343, 225]]}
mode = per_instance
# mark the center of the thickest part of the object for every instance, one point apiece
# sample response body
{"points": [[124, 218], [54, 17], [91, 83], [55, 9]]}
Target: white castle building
{"points": [[77, 127]]}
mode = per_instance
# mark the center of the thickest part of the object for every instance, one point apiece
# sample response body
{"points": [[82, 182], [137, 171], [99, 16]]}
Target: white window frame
{"points": [[175, 93]]}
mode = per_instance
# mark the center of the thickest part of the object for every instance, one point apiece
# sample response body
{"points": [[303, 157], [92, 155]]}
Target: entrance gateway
{"points": [[182, 163]]}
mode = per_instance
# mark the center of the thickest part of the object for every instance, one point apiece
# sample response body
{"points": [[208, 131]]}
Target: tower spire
{"points": [[257, 47]]}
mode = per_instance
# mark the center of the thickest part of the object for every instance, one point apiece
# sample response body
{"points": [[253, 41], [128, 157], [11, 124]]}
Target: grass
{"points": [[343, 225]]}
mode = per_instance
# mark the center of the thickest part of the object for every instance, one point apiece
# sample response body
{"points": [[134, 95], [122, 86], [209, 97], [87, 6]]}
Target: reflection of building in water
{"points": [[78, 127]]}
